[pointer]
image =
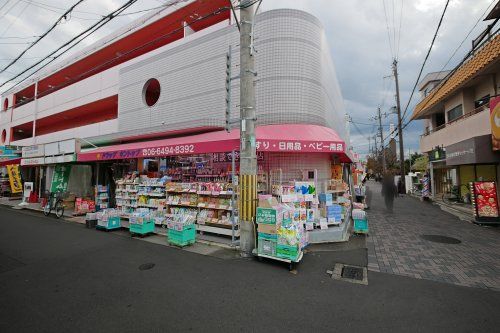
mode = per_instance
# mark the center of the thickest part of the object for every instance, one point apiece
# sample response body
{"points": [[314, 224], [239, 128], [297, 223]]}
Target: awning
{"points": [[289, 138], [9, 161]]}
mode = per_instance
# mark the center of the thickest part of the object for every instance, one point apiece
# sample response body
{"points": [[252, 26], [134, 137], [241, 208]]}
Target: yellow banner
{"points": [[16, 185]]}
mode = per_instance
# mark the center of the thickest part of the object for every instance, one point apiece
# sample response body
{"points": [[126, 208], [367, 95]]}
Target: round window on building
{"points": [[151, 92], [5, 104], [4, 136]]}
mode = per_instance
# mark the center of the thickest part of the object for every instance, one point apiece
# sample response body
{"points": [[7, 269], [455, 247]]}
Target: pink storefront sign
{"points": [[293, 138]]}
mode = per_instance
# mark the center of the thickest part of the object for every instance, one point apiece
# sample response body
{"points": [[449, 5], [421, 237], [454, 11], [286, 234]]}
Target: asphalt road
{"points": [[60, 277]]}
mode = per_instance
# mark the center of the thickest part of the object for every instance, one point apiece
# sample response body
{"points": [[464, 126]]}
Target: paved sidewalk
{"points": [[395, 244]]}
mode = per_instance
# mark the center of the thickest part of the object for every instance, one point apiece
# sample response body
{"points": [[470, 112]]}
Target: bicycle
{"points": [[454, 194], [54, 202]]}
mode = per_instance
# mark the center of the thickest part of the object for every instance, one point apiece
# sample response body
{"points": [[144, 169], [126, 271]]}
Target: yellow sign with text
{"points": [[16, 185]]}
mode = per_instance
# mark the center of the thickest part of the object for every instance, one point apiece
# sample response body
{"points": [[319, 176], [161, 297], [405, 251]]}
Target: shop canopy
{"points": [[290, 138], [15, 160]]}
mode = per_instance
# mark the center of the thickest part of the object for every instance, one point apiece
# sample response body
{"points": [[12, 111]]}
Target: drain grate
{"points": [[441, 239], [145, 267], [354, 273]]}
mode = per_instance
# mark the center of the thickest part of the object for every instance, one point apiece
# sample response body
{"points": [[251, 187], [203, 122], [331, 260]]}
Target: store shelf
{"points": [[218, 230], [200, 205], [181, 191], [181, 205], [151, 185], [214, 194], [151, 194]]}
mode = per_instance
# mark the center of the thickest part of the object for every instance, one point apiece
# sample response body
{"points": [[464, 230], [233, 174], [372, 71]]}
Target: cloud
{"points": [[357, 33]]}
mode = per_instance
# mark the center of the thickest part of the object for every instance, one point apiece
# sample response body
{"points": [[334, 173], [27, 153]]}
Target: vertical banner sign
{"points": [[16, 185], [60, 178], [495, 122]]}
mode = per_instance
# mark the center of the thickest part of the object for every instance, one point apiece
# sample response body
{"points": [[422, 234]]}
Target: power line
{"points": [[399, 31], [99, 24], [15, 19], [388, 30], [468, 34], [43, 6], [425, 60], [11, 7], [62, 17], [14, 37], [123, 54], [5, 4], [33, 2]]}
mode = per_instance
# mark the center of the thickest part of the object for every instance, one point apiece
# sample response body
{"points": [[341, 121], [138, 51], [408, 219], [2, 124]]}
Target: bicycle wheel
{"points": [[47, 209], [59, 209]]}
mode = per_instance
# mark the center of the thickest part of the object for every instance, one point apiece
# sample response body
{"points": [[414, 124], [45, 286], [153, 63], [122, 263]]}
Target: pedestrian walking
{"points": [[389, 191]]}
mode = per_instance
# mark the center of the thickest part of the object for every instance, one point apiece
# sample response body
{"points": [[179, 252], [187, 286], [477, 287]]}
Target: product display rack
{"points": [[126, 197], [101, 197], [212, 210]]}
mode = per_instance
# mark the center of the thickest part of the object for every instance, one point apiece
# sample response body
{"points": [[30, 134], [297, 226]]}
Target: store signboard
{"points": [[9, 151], [16, 185], [471, 151], [485, 199], [266, 215], [33, 151], [437, 154], [60, 178], [495, 122], [60, 159], [32, 161], [52, 149], [216, 146]]}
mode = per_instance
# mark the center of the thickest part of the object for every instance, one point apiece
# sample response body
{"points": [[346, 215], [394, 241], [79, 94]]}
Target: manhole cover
{"points": [[147, 266], [441, 239], [354, 273]]}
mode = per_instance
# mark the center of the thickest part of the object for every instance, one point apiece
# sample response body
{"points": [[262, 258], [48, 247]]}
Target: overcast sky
{"points": [[357, 31]]}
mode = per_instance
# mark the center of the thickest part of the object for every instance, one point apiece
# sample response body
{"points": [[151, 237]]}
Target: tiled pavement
{"points": [[395, 246]]}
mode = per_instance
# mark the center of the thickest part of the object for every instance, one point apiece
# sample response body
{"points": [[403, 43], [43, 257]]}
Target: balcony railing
{"points": [[462, 117]]}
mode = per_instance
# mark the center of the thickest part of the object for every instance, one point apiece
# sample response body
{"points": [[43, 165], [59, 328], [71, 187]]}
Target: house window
{"points": [[455, 113], [4, 136], [482, 101]]}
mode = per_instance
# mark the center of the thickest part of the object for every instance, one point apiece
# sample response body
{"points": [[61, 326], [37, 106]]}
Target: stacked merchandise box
{"points": [[181, 229], [280, 230], [360, 221], [268, 222], [108, 219], [141, 222]]}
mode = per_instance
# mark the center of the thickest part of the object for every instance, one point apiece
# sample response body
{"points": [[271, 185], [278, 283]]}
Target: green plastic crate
{"points": [[267, 236], [144, 228], [360, 226], [184, 237], [287, 252], [267, 247]]}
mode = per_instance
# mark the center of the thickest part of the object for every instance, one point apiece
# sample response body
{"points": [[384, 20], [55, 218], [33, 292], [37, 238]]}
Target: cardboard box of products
{"points": [[267, 228]]}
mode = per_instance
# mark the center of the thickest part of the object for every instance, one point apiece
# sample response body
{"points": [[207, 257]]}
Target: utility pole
{"points": [[381, 139], [400, 126], [369, 145], [248, 156]]}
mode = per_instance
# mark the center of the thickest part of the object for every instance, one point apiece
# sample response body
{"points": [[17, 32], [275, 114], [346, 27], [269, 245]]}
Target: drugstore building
{"points": [[150, 98]]}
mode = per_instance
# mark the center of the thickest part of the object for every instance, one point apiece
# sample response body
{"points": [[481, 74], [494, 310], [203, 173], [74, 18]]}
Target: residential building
{"points": [[455, 109]]}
